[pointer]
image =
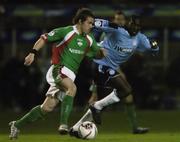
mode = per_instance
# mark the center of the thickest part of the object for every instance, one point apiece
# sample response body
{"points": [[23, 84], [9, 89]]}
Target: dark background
{"points": [[155, 80]]}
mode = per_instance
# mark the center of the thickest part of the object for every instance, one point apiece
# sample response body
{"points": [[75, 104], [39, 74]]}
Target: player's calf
{"points": [[96, 114]]}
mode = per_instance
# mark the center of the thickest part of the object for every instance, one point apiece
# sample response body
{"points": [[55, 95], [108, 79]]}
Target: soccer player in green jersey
{"points": [[71, 45]]}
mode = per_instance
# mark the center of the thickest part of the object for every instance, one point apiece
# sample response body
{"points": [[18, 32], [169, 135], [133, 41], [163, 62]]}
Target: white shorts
{"points": [[53, 90]]}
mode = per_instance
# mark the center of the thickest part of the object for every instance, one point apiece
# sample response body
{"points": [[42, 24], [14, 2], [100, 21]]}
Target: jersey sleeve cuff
{"points": [[44, 37]]}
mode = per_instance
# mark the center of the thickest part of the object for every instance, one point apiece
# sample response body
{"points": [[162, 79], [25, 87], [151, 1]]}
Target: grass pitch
{"points": [[164, 127], [103, 137]]}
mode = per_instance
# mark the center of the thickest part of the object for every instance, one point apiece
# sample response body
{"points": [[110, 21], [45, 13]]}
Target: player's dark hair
{"points": [[133, 25], [82, 15], [136, 19]]}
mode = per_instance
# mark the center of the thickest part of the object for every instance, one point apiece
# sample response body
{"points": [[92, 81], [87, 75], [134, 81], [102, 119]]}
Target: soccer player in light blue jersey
{"points": [[121, 43], [119, 18]]}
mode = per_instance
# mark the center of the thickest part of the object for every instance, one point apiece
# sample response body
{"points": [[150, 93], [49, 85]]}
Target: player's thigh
{"points": [[122, 73], [68, 86], [49, 103], [120, 83]]}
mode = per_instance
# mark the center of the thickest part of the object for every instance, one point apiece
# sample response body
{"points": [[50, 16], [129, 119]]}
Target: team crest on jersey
{"points": [[79, 42]]}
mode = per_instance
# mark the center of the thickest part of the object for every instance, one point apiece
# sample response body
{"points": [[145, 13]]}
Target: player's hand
{"points": [[154, 47], [29, 59], [154, 44]]}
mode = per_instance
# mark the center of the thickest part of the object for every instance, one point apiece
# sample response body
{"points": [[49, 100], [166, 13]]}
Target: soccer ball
{"points": [[87, 130]]}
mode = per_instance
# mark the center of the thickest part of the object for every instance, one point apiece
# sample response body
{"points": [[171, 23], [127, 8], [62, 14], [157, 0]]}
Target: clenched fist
{"points": [[29, 59]]}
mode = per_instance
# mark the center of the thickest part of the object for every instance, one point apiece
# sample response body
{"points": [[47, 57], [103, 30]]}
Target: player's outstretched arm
{"points": [[105, 26], [147, 45], [105, 23], [37, 46]]}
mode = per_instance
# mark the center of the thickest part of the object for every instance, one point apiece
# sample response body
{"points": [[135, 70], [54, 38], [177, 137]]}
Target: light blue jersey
{"points": [[121, 46]]}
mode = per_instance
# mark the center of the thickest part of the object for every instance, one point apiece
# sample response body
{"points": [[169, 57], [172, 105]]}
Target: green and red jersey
{"points": [[70, 47]]}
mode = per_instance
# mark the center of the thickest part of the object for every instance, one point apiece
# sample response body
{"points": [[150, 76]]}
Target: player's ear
{"points": [[80, 21]]}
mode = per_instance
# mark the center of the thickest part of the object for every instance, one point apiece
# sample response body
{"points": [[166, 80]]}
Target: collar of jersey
{"points": [[76, 31]]}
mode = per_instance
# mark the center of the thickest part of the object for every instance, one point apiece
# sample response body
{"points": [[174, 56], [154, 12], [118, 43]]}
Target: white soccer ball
{"points": [[87, 130]]}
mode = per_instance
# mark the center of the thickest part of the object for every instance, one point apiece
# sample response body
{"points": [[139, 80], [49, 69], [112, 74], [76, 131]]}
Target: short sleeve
{"points": [[54, 35], [94, 47]]}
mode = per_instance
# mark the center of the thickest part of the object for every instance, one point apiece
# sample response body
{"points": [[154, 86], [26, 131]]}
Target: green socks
{"points": [[37, 113], [66, 108], [33, 115], [130, 109]]}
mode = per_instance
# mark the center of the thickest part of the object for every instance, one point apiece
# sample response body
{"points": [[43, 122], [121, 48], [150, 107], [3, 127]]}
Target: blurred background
{"points": [[155, 80]]}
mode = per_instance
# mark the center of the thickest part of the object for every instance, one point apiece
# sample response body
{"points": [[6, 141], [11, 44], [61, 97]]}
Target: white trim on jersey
{"points": [[90, 39], [66, 38], [44, 37]]}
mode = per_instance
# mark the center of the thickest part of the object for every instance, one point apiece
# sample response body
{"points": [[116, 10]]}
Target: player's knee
{"points": [[47, 107], [129, 99], [93, 99], [128, 90], [122, 94], [72, 90]]}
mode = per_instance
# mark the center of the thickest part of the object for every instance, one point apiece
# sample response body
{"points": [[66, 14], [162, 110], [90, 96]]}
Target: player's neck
{"points": [[79, 29]]}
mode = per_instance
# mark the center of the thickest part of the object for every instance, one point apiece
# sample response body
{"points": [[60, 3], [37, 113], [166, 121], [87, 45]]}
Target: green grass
{"points": [[164, 125], [151, 137]]}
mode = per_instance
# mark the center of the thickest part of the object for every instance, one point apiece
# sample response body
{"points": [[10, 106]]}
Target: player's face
{"points": [[133, 26], [119, 19], [87, 25]]}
